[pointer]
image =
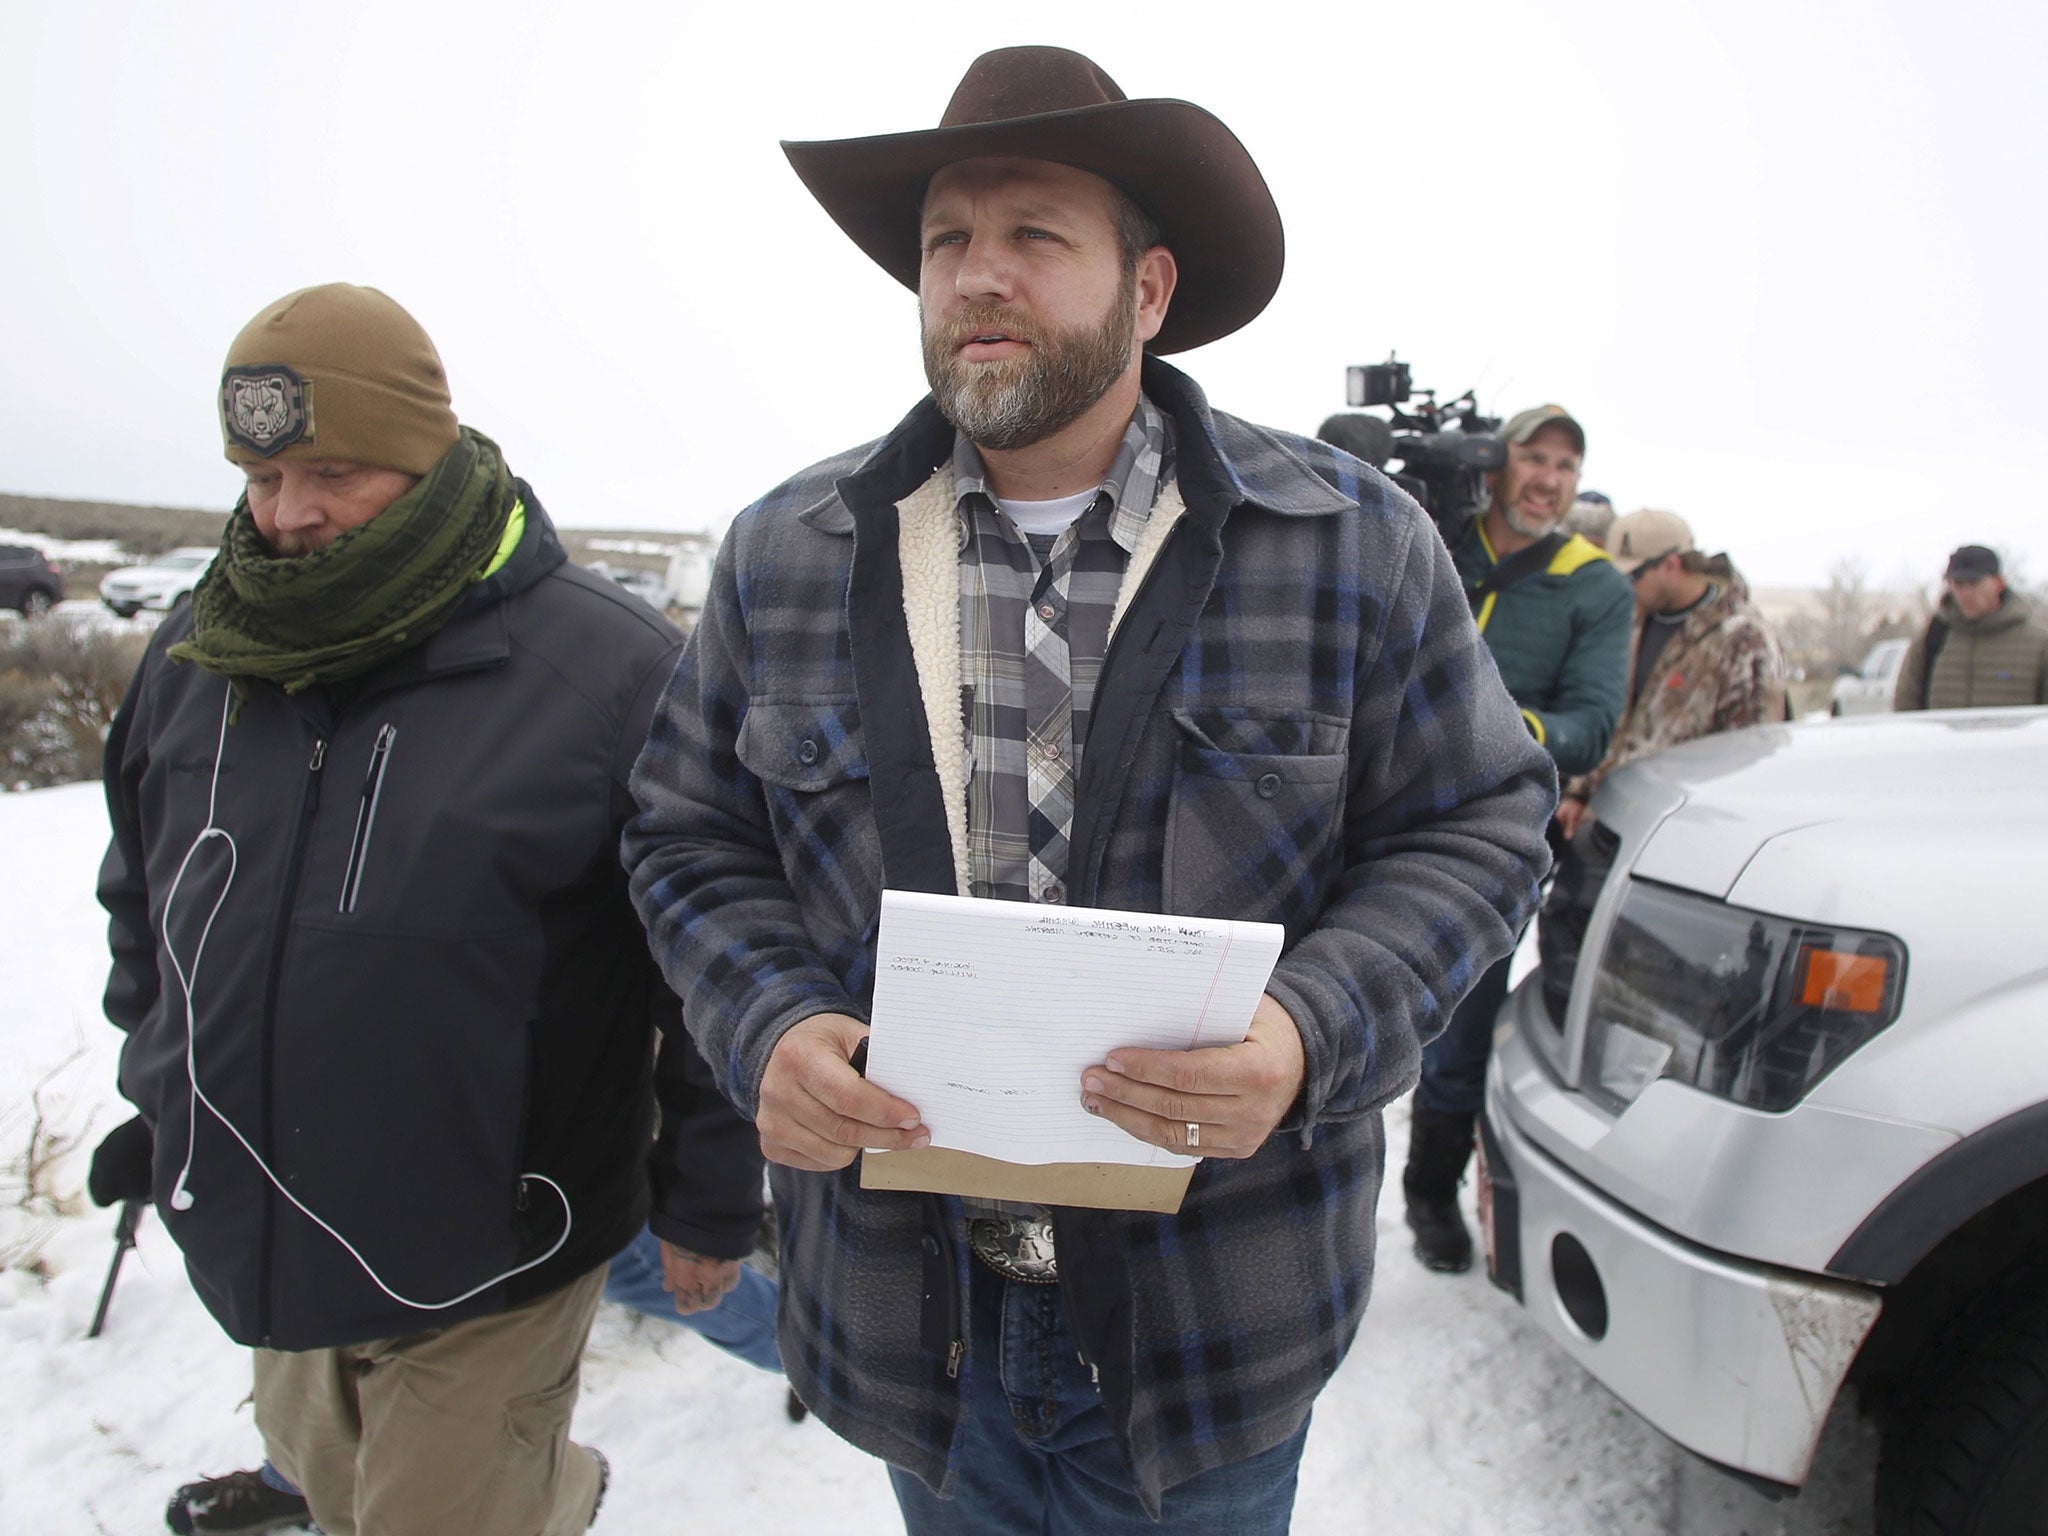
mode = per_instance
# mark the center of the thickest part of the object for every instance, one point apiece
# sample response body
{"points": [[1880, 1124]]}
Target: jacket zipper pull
{"points": [[379, 750], [319, 754], [954, 1352], [366, 816]]}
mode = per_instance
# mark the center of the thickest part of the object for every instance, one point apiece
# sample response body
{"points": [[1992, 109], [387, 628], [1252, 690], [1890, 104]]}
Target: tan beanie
{"points": [[336, 372]]}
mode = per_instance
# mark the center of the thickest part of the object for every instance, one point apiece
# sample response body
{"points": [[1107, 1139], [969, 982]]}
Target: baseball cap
{"points": [[1647, 535], [1524, 425], [1973, 562]]}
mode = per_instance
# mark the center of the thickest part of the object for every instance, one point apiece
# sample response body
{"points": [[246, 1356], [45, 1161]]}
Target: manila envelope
{"points": [[1098, 1186]]}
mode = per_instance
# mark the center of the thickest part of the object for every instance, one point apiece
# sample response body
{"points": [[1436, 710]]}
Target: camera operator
{"points": [[1556, 614]]}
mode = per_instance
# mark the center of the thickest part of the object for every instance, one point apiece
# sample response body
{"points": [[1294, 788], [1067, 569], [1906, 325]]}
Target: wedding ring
{"points": [[1194, 1134]]}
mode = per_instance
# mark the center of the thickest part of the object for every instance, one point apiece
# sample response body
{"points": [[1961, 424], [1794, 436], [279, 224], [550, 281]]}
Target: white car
{"points": [[645, 585], [1770, 1118], [1868, 690], [160, 585]]}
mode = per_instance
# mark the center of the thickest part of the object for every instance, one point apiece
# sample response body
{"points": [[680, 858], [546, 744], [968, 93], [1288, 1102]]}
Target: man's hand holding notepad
{"points": [[987, 1015]]}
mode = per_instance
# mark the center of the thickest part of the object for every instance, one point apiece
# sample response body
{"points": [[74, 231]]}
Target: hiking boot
{"points": [[237, 1504], [1441, 1241], [1439, 1146]]}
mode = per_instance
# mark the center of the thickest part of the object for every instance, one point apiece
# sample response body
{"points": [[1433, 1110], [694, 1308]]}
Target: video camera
{"points": [[1444, 450]]}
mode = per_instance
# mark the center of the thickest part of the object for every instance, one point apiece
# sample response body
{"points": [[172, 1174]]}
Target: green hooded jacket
{"points": [[1560, 639]]}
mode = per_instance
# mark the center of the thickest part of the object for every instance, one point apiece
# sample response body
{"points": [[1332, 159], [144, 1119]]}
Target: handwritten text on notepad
{"points": [[987, 1012]]}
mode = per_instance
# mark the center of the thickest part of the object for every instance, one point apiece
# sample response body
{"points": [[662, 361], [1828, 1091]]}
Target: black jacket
{"points": [[425, 994]]}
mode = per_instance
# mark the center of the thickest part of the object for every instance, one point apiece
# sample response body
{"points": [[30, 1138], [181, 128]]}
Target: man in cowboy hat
{"points": [[1067, 636]]}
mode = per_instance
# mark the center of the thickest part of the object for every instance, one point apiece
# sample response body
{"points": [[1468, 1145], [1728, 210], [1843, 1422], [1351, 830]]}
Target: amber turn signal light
{"points": [[1843, 982]]}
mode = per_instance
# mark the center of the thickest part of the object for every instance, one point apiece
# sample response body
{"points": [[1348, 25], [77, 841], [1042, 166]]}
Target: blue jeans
{"points": [[1454, 1063], [743, 1325], [1038, 1456]]}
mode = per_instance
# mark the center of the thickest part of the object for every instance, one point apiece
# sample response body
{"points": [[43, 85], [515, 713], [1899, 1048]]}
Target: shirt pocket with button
{"points": [[812, 762], [1255, 824]]}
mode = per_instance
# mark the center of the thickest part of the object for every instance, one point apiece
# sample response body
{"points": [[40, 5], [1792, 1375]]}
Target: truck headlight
{"points": [[1740, 1004]]}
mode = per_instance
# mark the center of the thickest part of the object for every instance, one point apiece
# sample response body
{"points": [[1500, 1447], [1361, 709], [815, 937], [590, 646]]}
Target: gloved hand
{"points": [[121, 1164]]}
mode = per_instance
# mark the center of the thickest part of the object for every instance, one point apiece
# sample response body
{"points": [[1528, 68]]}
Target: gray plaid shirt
{"points": [[1032, 637], [1033, 630]]}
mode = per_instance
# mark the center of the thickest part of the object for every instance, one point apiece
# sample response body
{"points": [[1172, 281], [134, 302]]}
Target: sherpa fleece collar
{"points": [[928, 550]]}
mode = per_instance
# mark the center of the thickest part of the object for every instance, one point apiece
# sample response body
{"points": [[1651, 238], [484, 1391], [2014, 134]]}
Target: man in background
{"points": [[1984, 646], [1555, 613], [1704, 660], [1592, 514]]}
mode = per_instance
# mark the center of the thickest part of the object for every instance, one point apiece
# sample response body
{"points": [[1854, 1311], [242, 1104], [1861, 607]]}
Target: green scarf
{"points": [[377, 590]]}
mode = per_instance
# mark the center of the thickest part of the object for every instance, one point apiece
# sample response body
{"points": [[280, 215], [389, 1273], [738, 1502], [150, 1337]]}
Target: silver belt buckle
{"points": [[1015, 1247]]}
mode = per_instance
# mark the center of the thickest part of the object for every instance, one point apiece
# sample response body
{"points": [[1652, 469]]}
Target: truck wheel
{"points": [[1965, 1448]]}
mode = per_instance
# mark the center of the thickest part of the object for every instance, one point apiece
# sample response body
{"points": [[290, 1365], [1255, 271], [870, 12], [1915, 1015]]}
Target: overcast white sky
{"points": [[1783, 257]]}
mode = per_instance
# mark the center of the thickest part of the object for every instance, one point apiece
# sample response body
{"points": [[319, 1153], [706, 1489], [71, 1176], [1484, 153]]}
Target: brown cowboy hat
{"points": [[1176, 161]]}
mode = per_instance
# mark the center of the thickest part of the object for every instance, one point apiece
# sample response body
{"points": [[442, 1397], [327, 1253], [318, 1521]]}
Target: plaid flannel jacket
{"points": [[1296, 722]]}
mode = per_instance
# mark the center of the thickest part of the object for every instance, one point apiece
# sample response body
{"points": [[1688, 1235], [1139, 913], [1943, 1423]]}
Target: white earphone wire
{"points": [[181, 1196]]}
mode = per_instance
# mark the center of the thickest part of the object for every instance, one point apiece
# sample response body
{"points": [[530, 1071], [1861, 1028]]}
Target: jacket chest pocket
{"points": [[1256, 820], [367, 806], [812, 762]]}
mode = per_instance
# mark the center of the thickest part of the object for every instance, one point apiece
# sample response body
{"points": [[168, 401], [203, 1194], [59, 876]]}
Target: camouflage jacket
{"points": [[1720, 672]]}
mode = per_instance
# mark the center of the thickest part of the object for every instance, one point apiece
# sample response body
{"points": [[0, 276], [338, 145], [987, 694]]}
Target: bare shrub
{"points": [[60, 683], [22, 699], [28, 1181], [1842, 635]]}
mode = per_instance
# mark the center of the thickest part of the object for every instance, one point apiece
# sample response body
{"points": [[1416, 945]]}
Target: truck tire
{"points": [[1965, 1444]]}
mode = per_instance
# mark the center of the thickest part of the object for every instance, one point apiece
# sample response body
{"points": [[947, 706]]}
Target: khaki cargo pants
{"points": [[462, 1431]]}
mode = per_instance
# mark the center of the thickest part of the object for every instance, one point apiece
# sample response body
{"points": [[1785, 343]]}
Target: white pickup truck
{"points": [[1868, 690], [1770, 1119]]}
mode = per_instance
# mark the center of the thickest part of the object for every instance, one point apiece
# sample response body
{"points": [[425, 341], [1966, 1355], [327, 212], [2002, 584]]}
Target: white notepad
{"points": [[987, 1012]]}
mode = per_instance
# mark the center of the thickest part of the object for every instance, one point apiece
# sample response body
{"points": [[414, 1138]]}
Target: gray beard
{"points": [[1025, 400], [1528, 531]]}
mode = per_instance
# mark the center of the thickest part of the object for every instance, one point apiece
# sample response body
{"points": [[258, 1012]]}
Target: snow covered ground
{"points": [[1452, 1415]]}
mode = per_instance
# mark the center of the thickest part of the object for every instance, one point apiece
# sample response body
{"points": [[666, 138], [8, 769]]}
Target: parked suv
{"points": [[158, 586], [1868, 690], [29, 583], [1771, 1116]]}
